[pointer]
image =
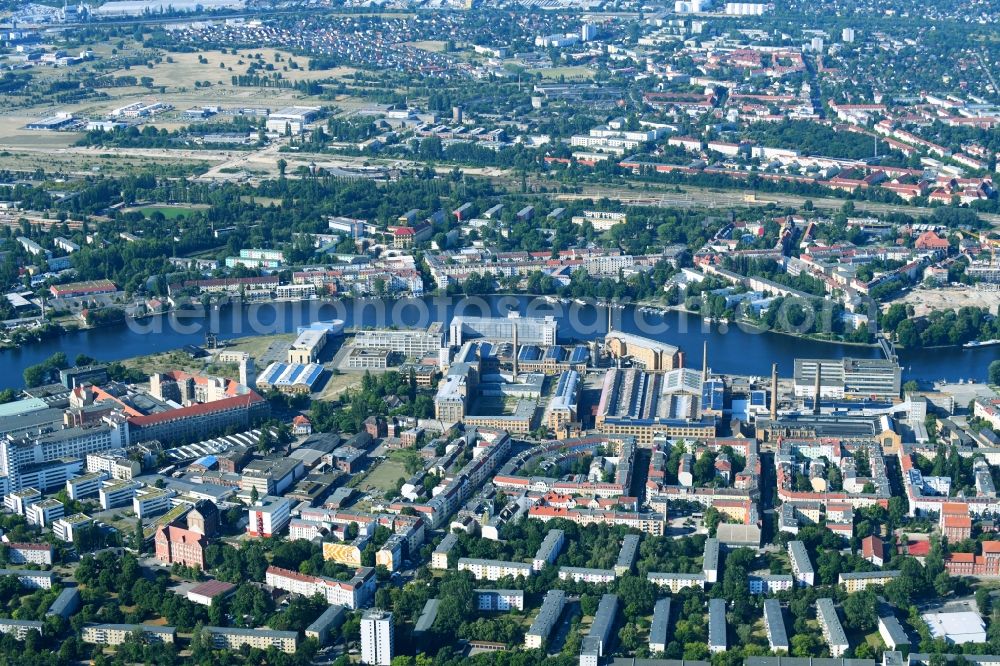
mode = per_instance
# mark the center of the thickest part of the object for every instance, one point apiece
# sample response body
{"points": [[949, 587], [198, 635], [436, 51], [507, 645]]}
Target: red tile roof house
{"points": [[301, 425], [873, 550], [931, 241]]}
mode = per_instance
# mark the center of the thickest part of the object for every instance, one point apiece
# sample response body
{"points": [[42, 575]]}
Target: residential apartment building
{"points": [[116, 634], [545, 621], [269, 516], [439, 558], [36, 580], [85, 485], [65, 528], [378, 638], [717, 641], [774, 623], [770, 583], [675, 582], [548, 551], [833, 631], [233, 638], [858, 580], [29, 553], [499, 600], [659, 630], [494, 569], [627, 555], [802, 568], [19, 628], [353, 593], [710, 560], [585, 575], [595, 643]]}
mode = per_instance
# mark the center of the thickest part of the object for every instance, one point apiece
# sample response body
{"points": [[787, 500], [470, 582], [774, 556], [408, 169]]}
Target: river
{"points": [[730, 348]]}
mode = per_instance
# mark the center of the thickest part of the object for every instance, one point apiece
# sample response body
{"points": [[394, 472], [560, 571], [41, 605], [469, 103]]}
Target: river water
{"points": [[731, 349]]}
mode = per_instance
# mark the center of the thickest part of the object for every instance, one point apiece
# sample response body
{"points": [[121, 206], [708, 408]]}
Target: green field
{"points": [[383, 476]]}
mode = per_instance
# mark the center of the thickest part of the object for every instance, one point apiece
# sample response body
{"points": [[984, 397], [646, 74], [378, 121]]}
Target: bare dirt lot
{"points": [[950, 298]]}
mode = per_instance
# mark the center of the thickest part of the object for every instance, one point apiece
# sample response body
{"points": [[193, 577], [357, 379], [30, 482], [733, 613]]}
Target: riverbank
{"points": [[732, 351]]}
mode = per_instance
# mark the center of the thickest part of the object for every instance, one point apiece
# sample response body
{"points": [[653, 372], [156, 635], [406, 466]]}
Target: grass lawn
{"points": [[164, 362], [570, 72], [256, 345], [168, 517], [383, 476]]}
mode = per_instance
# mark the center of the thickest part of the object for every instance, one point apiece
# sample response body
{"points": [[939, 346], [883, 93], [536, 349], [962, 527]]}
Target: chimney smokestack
{"points": [[515, 352], [704, 362], [819, 374], [774, 391]]}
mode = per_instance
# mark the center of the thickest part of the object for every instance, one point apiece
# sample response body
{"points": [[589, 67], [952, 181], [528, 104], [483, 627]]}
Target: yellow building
{"points": [[233, 638], [342, 553], [857, 581], [651, 354]]}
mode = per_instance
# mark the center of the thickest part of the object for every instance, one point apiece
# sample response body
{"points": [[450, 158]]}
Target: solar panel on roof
{"points": [[529, 353]]}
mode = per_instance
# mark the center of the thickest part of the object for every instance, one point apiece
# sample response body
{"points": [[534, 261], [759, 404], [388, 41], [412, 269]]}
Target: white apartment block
{"points": [[116, 494], [439, 558], [499, 600], [65, 528], [802, 568], [268, 516], [116, 634], [69, 443], [116, 466], [545, 621], [19, 628], [19, 500], [675, 582], [584, 575], [769, 584], [151, 501], [493, 569], [377, 638], [44, 513], [85, 485], [37, 580], [548, 551], [833, 631], [407, 342], [353, 593], [29, 553]]}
